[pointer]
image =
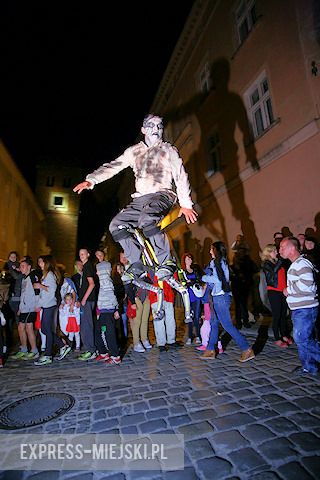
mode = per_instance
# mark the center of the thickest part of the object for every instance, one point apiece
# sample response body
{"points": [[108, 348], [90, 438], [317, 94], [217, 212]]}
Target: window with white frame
{"points": [[214, 154], [204, 80], [246, 17], [259, 105]]}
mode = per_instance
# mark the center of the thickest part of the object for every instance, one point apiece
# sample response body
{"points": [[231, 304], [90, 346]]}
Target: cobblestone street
{"points": [[248, 421]]}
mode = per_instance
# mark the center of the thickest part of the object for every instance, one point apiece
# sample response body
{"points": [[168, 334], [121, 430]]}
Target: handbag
{"points": [[198, 289]]}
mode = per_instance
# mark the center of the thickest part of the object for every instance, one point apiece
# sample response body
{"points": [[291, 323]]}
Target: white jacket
{"points": [[156, 168]]}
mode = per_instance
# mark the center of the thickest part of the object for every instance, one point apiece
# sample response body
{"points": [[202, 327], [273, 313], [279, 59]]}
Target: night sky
{"points": [[78, 79]]}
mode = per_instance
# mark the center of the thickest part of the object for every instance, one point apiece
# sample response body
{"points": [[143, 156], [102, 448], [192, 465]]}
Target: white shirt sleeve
{"points": [[109, 170], [181, 179]]}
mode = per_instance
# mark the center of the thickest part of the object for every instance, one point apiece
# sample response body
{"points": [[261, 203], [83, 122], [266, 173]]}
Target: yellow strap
{"points": [[151, 251]]}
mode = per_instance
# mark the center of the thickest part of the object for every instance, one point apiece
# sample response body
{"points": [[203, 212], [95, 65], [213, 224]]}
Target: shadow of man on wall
{"points": [[218, 114]]}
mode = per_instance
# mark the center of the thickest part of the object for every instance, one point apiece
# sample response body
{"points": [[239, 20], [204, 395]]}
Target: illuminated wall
{"points": [[241, 98], [22, 221]]}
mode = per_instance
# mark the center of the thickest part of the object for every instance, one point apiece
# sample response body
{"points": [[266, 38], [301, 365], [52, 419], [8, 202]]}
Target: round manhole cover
{"points": [[35, 410]]}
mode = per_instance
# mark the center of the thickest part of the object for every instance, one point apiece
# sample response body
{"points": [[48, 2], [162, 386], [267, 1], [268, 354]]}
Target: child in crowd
{"points": [[193, 274], [69, 319], [48, 302], [108, 313], [121, 291], [27, 312], [205, 328]]}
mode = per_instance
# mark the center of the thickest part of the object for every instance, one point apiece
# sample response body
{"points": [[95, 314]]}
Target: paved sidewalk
{"points": [[240, 421]]}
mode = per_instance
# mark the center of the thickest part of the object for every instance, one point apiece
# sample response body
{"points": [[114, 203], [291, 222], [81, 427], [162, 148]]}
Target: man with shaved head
{"points": [[302, 298]]}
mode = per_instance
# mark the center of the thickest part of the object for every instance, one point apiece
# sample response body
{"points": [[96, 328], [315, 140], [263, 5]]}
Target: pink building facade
{"points": [[241, 97]]}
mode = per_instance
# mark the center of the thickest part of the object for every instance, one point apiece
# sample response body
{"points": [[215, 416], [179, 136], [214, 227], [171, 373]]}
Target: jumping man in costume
{"points": [[156, 165]]}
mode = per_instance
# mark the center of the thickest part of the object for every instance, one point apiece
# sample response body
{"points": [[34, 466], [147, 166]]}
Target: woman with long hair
{"points": [[218, 275], [48, 303], [193, 274], [276, 280]]}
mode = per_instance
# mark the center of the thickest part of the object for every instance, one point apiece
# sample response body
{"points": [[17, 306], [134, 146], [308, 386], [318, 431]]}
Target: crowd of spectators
{"points": [[91, 311]]}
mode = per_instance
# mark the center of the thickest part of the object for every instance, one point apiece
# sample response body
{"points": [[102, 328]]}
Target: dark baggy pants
{"points": [[108, 340], [48, 328], [279, 314], [86, 327], [144, 212]]}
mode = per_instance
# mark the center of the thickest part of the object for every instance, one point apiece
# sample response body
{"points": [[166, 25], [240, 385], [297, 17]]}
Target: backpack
{"points": [[59, 288], [72, 285]]}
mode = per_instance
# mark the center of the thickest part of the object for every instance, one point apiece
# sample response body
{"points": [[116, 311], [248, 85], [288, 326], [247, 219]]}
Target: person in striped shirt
{"points": [[301, 293]]}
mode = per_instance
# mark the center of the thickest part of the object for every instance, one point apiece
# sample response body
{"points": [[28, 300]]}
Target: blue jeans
{"points": [[124, 320], [221, 315], [49, 329], [304, 320]]}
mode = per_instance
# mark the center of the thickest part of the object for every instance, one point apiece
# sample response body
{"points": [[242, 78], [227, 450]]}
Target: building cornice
{"points": [[190, 36]]}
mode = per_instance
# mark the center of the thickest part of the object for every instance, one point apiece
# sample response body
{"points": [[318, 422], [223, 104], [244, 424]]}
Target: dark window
{"points": [[50, 181], [58, 201], [253, 15], [243, 30], [214, 154], [246, 17], [66, 182], [259, 121], [260, 105], [269, 109]]}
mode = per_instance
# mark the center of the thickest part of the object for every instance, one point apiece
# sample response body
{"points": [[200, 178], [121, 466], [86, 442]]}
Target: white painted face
{"points": [[152, 131]]}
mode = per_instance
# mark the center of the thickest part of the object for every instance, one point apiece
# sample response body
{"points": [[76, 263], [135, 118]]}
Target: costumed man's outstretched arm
{"points": [[82, 186], [105, 172]]}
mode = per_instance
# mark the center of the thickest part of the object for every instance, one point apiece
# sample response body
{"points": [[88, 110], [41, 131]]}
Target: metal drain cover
{"points": [[35, 410]]}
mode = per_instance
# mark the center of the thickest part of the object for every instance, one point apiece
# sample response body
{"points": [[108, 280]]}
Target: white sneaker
{"points": [[197, 341], [63, 352], [138, 348], [146, 344], [43, 360], [189, 342]]}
